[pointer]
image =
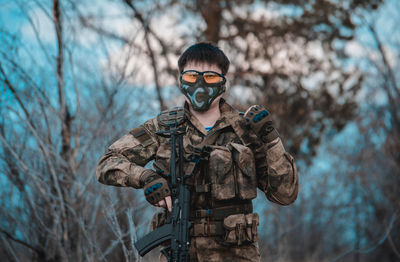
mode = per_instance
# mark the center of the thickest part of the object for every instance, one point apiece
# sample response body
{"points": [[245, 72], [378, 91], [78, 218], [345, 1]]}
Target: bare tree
{"points": [[60, 108], [57, 118]]}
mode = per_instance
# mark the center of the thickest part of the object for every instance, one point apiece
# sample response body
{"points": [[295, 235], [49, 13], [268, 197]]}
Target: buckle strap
{"points": [[221, 212], [207, 229], [239, 233]]}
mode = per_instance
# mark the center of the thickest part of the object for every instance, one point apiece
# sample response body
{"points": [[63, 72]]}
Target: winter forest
{"points": [[77, 75]]}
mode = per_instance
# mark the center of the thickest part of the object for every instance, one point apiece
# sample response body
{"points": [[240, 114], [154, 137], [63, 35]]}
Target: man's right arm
{"points": [[123, 164]]}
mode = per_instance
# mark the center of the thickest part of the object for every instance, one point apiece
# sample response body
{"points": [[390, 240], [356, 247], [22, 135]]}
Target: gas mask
{"points": [[201, 88]]}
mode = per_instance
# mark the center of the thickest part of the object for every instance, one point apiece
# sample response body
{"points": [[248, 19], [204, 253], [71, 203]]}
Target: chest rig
{"points": [[222, 163]]}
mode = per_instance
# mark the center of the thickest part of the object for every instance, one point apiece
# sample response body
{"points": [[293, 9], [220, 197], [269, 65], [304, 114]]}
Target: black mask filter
{"points": [[201, 93]]}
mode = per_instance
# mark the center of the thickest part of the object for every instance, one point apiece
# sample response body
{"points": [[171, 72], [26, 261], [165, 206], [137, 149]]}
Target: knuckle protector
{"points": [[259, 119], [156, 190]]}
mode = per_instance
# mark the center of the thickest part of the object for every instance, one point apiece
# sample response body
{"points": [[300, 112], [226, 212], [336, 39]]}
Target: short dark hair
{"points": [[206, 53]]}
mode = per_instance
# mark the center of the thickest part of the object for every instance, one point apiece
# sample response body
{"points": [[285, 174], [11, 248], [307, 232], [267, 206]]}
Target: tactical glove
{"points": [[259, 120], [155, 187]]}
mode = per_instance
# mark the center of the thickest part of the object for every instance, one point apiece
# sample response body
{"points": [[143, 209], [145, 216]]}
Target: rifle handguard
{"points": [[155, 189]]}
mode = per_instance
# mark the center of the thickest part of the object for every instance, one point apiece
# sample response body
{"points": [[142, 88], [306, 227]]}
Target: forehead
{"points": [[201, 66]]}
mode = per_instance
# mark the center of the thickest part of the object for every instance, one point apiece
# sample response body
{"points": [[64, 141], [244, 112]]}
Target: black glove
{"points": [[259, 120], [155, 187]]}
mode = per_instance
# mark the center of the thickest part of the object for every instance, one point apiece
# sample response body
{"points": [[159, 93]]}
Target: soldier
{"points": [[244, 152]]}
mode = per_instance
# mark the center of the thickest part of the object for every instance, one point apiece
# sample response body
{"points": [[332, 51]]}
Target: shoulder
{"points": [[142, 135], [229, 111], [240, 126], [145, 134]]}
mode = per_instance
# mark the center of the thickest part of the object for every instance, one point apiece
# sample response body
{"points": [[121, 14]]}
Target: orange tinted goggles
{"points": [[210, 77]]}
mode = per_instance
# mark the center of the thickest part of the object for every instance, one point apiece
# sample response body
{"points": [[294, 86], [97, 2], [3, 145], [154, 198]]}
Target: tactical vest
{"points": [[224, 177]]}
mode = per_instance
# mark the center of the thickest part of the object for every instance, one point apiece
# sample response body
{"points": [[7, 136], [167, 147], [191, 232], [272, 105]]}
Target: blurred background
{"points": [[77, 75]]}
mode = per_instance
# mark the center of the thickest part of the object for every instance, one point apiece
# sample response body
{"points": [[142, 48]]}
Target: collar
{"points": [[229, 117]]}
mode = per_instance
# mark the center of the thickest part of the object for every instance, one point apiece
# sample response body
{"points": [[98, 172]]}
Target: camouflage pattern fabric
{"points": [[228, 163], [207, 249]]}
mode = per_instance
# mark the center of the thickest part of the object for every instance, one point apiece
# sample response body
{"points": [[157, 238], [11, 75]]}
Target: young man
{"points": [[244, 153]]}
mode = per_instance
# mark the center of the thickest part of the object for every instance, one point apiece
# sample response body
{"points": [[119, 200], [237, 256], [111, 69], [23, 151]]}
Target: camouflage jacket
{"points": [[238, 161]]}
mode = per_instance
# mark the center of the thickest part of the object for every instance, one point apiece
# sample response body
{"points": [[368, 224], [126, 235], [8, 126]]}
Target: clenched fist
{"points": [[259, 119], [156, 190]]}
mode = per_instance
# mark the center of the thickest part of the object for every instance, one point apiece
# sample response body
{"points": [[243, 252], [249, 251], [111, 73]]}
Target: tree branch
{"points": [[36, 249], [147, 29]]}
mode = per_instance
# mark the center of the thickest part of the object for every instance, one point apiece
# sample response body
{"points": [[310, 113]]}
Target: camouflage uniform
{"points": [[224, 180]]}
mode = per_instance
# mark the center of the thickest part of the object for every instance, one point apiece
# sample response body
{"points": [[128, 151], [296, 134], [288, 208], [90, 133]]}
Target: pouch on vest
{"points": [[240, 229], [245, 171], [221, 176], [232, 172]]}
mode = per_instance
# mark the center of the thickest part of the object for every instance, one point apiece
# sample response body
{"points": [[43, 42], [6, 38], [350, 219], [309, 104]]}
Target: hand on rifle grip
{"points": [[166, 202], [156, 189]]}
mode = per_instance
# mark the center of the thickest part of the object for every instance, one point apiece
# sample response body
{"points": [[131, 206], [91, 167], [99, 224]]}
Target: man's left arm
{"points": [[276, 170]]}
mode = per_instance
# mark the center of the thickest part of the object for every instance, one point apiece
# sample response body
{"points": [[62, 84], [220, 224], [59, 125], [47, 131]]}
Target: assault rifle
{"points": [[178, 226]]}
